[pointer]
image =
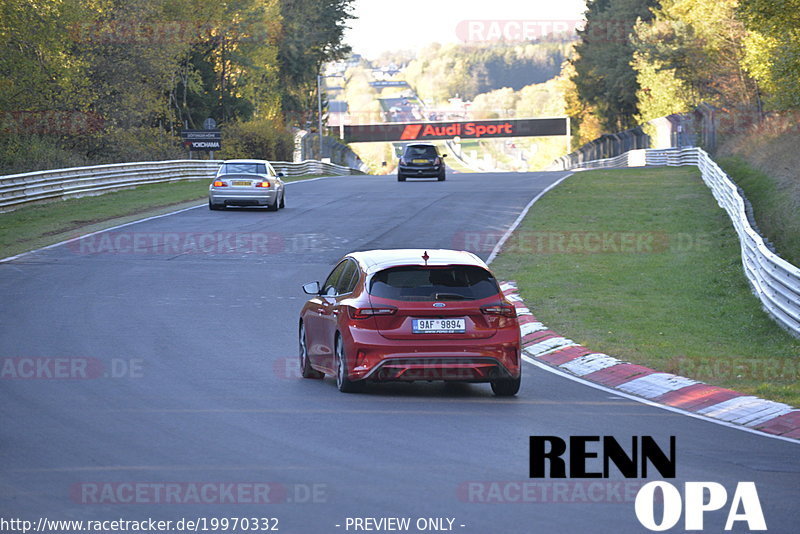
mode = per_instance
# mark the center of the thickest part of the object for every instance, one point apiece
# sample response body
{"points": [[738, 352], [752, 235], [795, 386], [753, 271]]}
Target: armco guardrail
{"points": [[605, 146], [312, 166], [775, 281], [17, 189]]}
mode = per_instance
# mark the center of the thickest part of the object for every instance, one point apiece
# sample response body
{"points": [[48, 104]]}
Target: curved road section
{"points": [[150, 372]]}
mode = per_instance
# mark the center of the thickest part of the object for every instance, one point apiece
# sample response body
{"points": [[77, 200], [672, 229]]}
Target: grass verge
{"points": [[42, 224], [641, 264], [775, 209]]}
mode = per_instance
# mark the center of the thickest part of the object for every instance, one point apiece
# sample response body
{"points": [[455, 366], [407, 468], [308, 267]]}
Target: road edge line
{"points": [[510, 289], [520, 305], [73, 239], [519, 219], [642, 400]]}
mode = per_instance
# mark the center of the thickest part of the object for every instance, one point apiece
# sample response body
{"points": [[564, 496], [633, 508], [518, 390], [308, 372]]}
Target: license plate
{"points": [[439, 326], [419, 161], [242, 182]]}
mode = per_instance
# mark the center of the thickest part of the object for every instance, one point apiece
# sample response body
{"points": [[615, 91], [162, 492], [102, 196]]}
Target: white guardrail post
{"points": [[775, 281], [18, 189]]}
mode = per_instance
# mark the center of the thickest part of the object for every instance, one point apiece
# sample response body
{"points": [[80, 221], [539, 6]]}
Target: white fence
{"points": [[775, 281], [17, 189], [312, 166]]}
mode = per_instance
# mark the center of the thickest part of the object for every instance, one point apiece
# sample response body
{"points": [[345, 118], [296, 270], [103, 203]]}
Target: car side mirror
{"points": [[444, 155], [280, 175], [311, 288]]}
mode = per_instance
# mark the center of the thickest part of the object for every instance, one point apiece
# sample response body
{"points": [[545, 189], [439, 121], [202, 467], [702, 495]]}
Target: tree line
{"points": [[115, 80], [440, 71], [636, 60]]}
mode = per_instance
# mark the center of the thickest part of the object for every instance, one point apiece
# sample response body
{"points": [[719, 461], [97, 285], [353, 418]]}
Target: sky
{"points": [[411, 24]]}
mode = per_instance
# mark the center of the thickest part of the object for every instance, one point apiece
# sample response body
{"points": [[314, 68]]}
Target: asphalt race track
{"points": [[200, 347]]}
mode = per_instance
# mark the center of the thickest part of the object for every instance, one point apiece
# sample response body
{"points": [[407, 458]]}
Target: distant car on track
{"points": [[246, 182], [421, 160], [407, 315]]}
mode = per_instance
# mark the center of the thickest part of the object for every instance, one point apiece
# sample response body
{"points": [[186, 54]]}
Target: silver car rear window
{"points": [[243, 168], [421, 152], [457, 282]]}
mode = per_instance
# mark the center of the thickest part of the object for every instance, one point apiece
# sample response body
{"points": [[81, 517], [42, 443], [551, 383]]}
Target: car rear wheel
{"points": [[283, 200], [275, 205], [401, 178], [305, 365], [214, 207], [506, 387], [344, 384]]}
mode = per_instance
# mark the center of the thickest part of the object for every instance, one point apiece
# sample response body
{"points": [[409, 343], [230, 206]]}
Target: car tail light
{"points": [[263, 184], [506, 310], [364, 313], [220, 183]]}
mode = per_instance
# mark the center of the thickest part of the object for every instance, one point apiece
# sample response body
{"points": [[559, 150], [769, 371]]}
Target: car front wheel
{"points": [[401, 178], [305, 366]]}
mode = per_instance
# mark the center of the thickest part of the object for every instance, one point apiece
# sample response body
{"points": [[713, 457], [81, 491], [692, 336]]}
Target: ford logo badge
{"points": [[439, 304]]}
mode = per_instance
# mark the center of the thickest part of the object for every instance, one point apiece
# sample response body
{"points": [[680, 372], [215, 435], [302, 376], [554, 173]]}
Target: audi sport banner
{"points": [[428, 131]]}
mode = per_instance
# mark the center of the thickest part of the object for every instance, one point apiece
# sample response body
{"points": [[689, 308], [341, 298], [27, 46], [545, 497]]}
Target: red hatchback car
{"points": [[406, 315]]}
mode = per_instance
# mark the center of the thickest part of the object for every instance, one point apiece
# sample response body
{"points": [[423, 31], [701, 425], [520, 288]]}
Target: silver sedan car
{"points": [[246, 182]]}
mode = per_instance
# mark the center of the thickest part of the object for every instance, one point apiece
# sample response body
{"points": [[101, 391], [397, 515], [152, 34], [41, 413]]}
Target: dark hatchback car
{"points": [[421, 161]]}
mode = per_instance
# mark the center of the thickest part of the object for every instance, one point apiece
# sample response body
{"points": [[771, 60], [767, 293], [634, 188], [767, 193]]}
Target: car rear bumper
{"points": [[421, 172], [243, 198], [457, 369], [373, 357]]}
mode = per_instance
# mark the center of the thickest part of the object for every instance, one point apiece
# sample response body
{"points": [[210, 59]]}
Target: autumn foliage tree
{"points": [[147, 68], [604, 78], [772, 49], [641, 59]]}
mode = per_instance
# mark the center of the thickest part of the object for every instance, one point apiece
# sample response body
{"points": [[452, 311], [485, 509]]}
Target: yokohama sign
{"points": [[428, 131]]}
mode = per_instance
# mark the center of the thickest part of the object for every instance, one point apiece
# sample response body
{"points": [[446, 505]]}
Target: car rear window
{"points": [[457, 282], [421, 152], [243, 168]]}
